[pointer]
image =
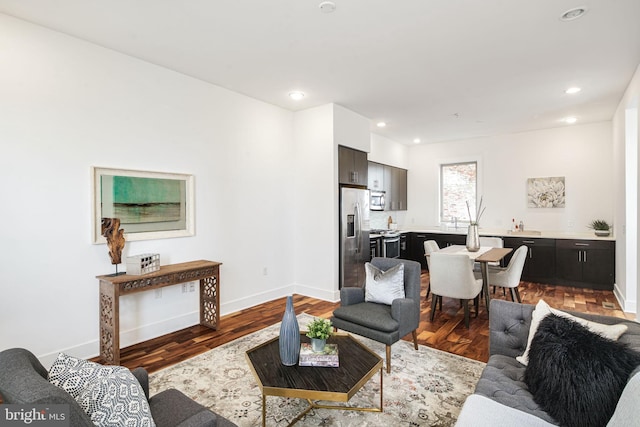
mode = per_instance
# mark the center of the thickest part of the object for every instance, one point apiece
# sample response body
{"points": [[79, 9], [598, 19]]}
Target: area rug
{"points": [[426, 387]]}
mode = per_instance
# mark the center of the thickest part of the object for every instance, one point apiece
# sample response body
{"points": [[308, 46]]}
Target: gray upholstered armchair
{"points": [[381, 322], [23, 380]]}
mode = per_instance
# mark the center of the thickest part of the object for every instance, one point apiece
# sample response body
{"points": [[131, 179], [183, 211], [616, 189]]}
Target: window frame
{"points": [[441, 166]]}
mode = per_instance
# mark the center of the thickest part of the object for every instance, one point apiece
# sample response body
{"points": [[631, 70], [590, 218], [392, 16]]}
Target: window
{"points": [[458, 185]]}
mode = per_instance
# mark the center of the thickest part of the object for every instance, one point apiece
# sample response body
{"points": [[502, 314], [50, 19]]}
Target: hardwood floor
{"points": [[447, 332]]}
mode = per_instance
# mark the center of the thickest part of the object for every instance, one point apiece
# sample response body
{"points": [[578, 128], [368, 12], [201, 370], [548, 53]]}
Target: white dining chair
{"points": [[430, 246], [452, 277], [509, 277]]}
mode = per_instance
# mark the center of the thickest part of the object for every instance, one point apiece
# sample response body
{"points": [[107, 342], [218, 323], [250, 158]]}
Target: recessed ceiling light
{"points": [[416, 141], [327, 6], [296, 96], [381, 124], [572, 90], [571, 120], [575, 13]]}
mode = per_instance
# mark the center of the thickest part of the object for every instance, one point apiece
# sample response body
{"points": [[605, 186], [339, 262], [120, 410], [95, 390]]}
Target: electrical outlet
{"points": [[185, 288], [570, 223], [158, 293], [264, 271], [192, 287]]}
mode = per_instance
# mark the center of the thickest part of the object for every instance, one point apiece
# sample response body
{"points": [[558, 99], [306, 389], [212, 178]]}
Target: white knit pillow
{"points": [[543, 309]]}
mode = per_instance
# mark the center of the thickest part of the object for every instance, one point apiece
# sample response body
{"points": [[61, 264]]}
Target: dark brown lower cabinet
{"points": [[540, 265], [416, 247], [587, 263]]}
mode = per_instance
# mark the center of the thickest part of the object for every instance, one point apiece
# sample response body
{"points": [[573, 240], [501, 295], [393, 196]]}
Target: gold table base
{"points": [[314, 405]]}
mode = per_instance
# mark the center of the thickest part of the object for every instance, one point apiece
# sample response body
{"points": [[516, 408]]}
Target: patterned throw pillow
{"points": [[116, 400], [73, 375], [111, 395], [383, 287]]}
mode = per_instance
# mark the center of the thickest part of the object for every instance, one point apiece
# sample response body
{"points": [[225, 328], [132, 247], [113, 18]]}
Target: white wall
{"points": [[627, 257], [67, 105], [315, 234], [583, 154], [389, 152], [350, 129]]}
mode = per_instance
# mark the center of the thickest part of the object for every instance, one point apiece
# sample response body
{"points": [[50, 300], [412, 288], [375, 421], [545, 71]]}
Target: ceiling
{"points": [[437, 70]]}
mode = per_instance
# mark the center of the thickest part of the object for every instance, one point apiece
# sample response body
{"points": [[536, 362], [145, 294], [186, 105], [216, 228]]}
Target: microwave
{"points": [[377, 201]]}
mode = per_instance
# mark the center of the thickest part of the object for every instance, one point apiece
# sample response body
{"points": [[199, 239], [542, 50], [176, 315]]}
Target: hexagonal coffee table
{"points": [[358, 364]]}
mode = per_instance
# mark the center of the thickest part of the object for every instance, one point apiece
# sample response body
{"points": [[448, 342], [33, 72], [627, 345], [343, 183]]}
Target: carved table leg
{"points": [[210, 300], [109, 323]]}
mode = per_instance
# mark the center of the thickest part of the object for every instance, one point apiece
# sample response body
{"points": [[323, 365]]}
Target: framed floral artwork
{"points": [[546, 192], [150, 205]]}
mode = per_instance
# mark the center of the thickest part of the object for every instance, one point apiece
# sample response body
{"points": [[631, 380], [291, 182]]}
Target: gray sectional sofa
{"points": [[502, 398], [23, 380]]}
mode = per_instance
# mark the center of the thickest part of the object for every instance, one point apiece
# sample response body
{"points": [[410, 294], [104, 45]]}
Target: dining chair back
{"points": [[452, 277], [430, 246], [509, 277]]}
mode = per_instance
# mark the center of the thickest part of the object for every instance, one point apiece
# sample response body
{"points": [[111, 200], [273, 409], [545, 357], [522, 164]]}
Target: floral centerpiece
{"points": [[319, 330]]}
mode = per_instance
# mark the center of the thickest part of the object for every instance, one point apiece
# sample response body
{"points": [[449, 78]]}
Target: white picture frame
{"points": [[150, 205]]}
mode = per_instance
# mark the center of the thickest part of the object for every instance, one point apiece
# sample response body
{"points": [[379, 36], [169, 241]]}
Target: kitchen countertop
{"points": [[588, 235]]}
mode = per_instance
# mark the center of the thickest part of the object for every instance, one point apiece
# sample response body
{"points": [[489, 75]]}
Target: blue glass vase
{"points": [[289, 336]]}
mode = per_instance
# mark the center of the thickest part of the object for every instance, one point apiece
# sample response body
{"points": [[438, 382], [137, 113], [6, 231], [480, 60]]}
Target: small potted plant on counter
{"points": [[319, 330], [600, 227]]}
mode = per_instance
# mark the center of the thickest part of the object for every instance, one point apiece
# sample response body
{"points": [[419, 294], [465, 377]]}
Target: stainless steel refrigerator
{"points": [[354, 235]]}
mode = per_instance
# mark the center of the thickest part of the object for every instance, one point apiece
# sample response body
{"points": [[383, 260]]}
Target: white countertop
{"points": [[587, 235]]}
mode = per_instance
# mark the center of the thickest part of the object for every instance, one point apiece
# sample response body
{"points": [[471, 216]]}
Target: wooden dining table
{"points": [[484, 256]]}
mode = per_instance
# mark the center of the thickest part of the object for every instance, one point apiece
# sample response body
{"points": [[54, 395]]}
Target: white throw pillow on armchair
{"points": [[383, 287]]}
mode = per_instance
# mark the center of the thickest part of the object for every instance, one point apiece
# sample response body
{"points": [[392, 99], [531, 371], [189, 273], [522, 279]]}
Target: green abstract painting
{"points": [[138, 200]]}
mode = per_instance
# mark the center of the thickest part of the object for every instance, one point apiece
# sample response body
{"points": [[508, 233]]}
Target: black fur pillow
{"points": [[575, 375]]}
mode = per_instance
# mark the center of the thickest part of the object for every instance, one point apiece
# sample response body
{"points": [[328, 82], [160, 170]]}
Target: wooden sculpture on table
{"points": [[115, 239]]}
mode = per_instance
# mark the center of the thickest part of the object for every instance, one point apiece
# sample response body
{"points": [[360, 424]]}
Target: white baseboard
{"points": [[323, 294], [628, 306], [255, 299]]}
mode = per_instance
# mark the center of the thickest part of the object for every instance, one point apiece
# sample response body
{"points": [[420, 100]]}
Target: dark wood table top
{"points": [[358, 364]]}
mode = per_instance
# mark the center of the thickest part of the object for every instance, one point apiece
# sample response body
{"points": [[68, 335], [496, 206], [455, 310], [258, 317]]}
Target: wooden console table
{"points": [[112, 287]]}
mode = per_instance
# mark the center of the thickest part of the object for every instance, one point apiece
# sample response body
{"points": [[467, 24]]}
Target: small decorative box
{"points": [[138, 265], [327, 358]]}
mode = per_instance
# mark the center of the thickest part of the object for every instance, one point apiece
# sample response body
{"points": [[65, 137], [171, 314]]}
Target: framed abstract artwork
{"points": [[150, 205], [546, 192]]}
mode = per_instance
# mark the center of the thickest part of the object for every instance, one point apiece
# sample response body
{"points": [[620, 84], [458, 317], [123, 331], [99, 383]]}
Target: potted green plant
{"points": [[600, 227], [319, 330]]}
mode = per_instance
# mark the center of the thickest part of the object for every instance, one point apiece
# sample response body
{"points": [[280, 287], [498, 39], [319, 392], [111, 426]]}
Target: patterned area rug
{"points": [[425, 388]]}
